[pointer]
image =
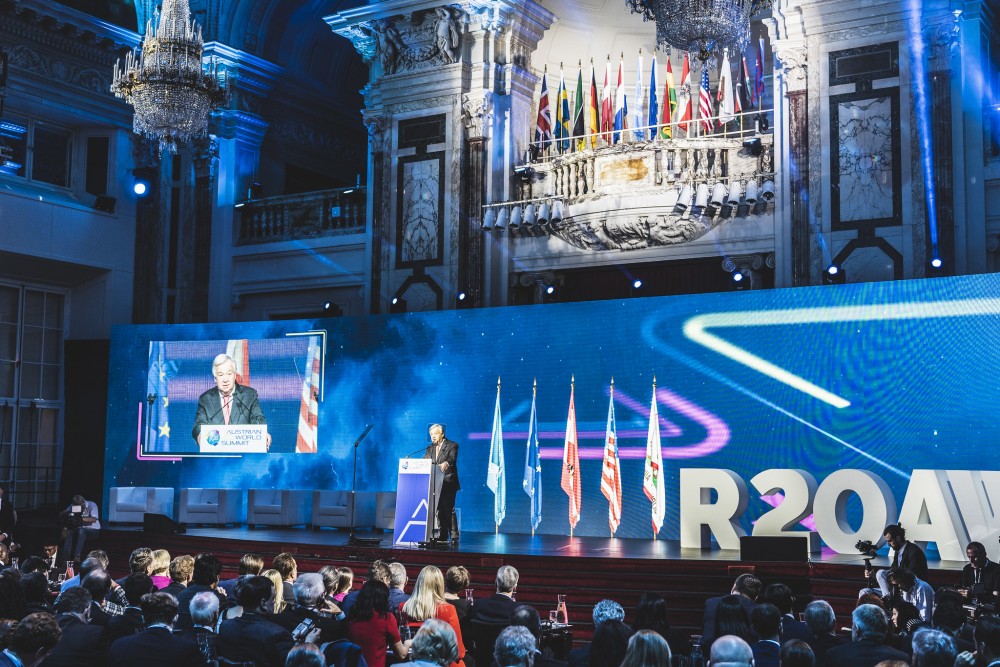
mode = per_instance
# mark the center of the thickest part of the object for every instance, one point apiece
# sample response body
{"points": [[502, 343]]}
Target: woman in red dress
{"points": [[428, 601], [371, 626]]}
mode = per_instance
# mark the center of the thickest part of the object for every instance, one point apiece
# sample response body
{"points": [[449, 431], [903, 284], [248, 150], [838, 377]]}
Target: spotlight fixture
{"points": [[395, 300], [558, 211], [488, 218], [461, 296], [529, 215], [636, 284], [936, 263], [397, 305], [767, 191], [550, 289], [738, 276], [502, 218], [752, 147], [326, 305], [140, 188], [515, 217], [543, 213], [751, 194], [834, 275], [684, 200]]}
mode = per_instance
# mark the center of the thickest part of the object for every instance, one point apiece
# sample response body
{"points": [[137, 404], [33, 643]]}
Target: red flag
{"points": [[607, 105], [239, 350], [570, 481], [685, 93], [306, 441]]}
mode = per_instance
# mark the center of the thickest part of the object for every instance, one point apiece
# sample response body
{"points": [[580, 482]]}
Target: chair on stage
{"points": [[385, 510], [211, 506], [128, 504], [332, 509], [277, 507]]}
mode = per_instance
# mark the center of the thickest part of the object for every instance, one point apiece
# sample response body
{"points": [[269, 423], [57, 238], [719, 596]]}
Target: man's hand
{"points": [[965, 658], [444, 466]]}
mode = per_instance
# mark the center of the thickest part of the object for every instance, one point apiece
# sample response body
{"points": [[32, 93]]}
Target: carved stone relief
{"points": [[407, 43], [54, 69], [794, 66], [477, 113]]}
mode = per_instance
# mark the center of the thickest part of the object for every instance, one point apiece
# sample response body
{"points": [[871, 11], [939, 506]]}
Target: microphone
{"points": [[416, 451]]}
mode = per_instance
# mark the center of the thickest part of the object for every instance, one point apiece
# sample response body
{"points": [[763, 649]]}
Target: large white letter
{"points": [[929, 514], [701, 518], [878, 509], [977, 494], [798, 487]]}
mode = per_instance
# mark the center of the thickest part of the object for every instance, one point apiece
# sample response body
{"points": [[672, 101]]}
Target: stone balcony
{"points": [[308, 215]]}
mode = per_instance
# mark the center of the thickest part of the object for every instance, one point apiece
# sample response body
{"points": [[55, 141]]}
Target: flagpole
{"points": [[654, 398]]}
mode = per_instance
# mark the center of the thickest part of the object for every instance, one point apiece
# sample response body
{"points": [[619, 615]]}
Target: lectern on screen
{"points": [[417, 488]]}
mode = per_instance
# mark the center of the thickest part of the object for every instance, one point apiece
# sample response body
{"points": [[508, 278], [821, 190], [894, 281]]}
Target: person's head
{"points": [[50, 549], [257, 595], [900, 576], [101, 555], [35, 587], [34, 564], [747, 585], [373, 600], [206, 570], [224, 372], [731, 618], [796, 653], [987, 636], [278, 601], [428, 593], [285, 564], [647, 648], [731, 651], [651, 614], [607, 610], [4, 554], [141, 560], [251, 564], [398, 571], [933, 648], [161, 562], [309, 590], [98, 584], [34, 638], [515, 647], [765, 619], [136, 585], [435, 642], [869, 622], [610, 642], [527, 617], [901, 614], [11, 597], [158, 608], [780, 596], [345, 580], [90, 565], [305, 655], [436, 431], [78, 499], [871, 598], [820, 618], [329, 574], [204, 609], [182, 569], [895, 536], [507, 577], [976, 554], [74, 600], [379, 570], [948, 616]]}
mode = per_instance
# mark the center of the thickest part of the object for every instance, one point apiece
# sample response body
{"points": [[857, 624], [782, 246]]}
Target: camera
{"points": [[867, 548], [302, 630]]}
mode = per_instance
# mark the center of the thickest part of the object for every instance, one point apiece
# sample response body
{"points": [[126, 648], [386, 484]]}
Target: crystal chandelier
{"points": [[701, 27], [167, 84]]}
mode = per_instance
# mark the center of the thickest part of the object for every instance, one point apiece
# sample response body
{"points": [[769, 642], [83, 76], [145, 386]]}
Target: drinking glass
{"points": [[562, 614], [468, 593]]}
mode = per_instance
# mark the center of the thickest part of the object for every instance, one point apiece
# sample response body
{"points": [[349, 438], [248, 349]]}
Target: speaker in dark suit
{"points": [[444, 454]]}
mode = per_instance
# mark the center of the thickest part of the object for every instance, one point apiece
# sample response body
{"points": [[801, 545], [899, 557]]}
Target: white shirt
{"points": [[921, 596]]}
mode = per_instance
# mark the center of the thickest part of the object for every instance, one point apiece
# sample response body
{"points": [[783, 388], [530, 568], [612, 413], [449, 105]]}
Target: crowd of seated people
{"points": [[176, 611]]}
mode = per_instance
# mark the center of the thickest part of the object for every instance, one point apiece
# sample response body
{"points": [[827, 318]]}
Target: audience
{"points": [[867, 648], [746, 588], [913, 590], [604, 611], [647, 648], [159, 569], [610, 643], [250, 564], [987, 639], [131, 621], [515, 647], [428, 601], [345, 581], [372, 627], [765, 620], [434, 645], [731, 618], [822, 624], [204, 610], [181, 570], [286, 566], [305, 655], [98, 559], [796, 653], [280, 603], [730, 651], [140, 560], [397, 585], [781, 597], [498, 607], [204, 579], [155, 646], [81, 644], [527, 616], [34, 638], [933, 648], [379, 571], [310, 594], [35, 588], [253, 636]]}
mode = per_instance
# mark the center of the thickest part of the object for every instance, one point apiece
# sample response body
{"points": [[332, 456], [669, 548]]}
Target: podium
{"points": [[417, 487], [233, 439]]}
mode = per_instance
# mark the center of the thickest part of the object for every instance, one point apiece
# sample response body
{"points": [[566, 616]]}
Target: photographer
{"points": [[310, 593], [82, 522]]}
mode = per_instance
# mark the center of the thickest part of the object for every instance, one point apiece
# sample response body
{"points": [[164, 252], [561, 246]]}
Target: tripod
{"points": [[351, 539]]}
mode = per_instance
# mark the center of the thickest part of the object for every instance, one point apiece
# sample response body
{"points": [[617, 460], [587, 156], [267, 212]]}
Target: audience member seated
{"points": [[822, 624], [345, 581], [379, 571], [82, 522], [130, 622], [159, 569], [913, 590], [646, 648], [155, 646], [949, 617], [372, 627], [50, 554], [204, 578], [81, 644], [781, 597], [11, 597], [867, 647], [434, 645], [181, 570], [140, 560], [250, 564], [286, 566], [498, 607], [280, 603], [610, 643], [515, 647], [604, 611], [305, 655], [765, 619], [730, 651], [98, 584], [397, 585], [652, 614], [933, 648], [33, 639], [98, 560], [987, 639], [428, 601], [204, 610], [527, 616], [746, 587], [797, 653], [730, 618], [904, 619], [253, 636], [309, 600], [4, 557], [980, 579], [456, 580], [35, 588]]}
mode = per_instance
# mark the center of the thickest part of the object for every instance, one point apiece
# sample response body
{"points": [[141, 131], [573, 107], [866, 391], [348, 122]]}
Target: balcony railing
{"points": [[301, 216]]}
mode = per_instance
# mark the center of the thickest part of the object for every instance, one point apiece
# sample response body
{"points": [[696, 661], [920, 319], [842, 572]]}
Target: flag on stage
{"points": [[495, 474], [653, 110], [579, 136], [727, 108], [611, 472], [306, 442], [669, 103], [239, 350], [652, 476], [639, 118], [607, 104], [543, 125], [533, 468], [705, 101], [158, 419], [683, 121], [593, 117], [744, 97], [562, 115], [758, 89], [621, 105], [570, 481]]}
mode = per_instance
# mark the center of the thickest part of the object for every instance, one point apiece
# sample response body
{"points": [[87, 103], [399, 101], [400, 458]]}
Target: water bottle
{"points": [[697, 659], [69, 570], [562, 614]]}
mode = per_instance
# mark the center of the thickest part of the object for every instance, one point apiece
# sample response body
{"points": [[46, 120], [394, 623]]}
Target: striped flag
{"points": [[744, 95], [306, 442], [669, 103], [533, 468], [495, 473], [593, 118], [705, 101], [621, 105], [562, 115], [653, 110], [686, 114], [758, 88], [580, 138], [607, 104], [727, 107], [543, 125], [639, 118], [239, 350], [611, 472], [570, 481], [652, 476]]}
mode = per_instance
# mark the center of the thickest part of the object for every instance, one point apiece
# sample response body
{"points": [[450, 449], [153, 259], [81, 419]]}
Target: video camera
{"points": [[74, 519], [867, 548]]}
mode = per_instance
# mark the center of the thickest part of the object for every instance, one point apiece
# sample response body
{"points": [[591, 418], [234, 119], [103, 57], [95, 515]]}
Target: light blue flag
{"points": [[158, 419], [495, 475], [533, 469]]}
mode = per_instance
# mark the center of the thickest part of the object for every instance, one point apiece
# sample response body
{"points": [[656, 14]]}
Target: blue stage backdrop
{"points": [[887, 377]]}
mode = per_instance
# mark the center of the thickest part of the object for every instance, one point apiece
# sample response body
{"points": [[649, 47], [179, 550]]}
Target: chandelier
{"points": [[701, 27], [167, 84]]}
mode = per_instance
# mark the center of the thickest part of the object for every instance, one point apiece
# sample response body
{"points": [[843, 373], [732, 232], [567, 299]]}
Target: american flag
{"points": [[543, 126], [705, 102], [611, 472], [306, 440]]}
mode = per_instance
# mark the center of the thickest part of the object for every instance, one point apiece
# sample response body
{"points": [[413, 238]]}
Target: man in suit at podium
{"points": [[444, 453], [227, 402]]}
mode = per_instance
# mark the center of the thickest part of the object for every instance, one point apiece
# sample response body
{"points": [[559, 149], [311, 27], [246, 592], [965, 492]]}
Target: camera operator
{"points": [[980, 581], [903, 554], [82, 522]]}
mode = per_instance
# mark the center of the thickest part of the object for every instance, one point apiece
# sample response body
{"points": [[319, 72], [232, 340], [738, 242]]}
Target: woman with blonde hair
{"points": [[427, 601], [280, 604], [160, 569], [647, 648]]}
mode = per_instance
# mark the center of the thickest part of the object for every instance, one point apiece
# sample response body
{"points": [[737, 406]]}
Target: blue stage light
{"points": [[936, 262], [637, 284], [461, 296], [550, 289], [140, 187], [737, 276], [833, 269]]}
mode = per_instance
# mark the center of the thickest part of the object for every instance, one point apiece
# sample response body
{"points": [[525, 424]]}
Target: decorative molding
{"points": [[488, 15], [794, 63], [477, 113], [377, 136], [57, 70], [630, 232]]}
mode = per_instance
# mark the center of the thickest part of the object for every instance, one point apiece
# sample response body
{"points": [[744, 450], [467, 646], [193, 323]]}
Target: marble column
{"points": [[792, 82]]}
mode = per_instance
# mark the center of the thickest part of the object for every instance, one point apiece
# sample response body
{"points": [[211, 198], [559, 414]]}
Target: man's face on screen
{"points": [[437, 435], [225, 377]]}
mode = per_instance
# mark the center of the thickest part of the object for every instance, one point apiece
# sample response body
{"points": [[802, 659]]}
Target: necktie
{"points": [[227, 406]]}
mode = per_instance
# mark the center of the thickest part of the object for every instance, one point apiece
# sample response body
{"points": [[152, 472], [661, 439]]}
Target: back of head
{"points": [[158, 608], [731, 618], [74, 600], [507, 577], [206, 570], [101, 555], [182, 569], [305, 655], [435, 642], [515, 647], [870, 622], [254, 591], [97, 583], [526, 616], [136, 585], [161, 562], [933, 648], [380, 570], [309, 589], [428, 592], [797, 653], [780, 596], [871, 598], [610, 643], [647, 648], [987, 634], [89, 565], [34, 564], [948, 616], [204, 608], [140, 560], [747, 585], [398, 574], [820, 618], [285, 564], [35, 587], [651, 614], [607, 610], [373, 598], [456, 579], [904, 578], [729, 650], [35, 634], [251, 564], [765, 620]]}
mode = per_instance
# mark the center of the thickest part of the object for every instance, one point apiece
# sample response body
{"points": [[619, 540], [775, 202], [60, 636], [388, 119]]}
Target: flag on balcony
{"points": [[579, 135], [621, 104], [495, 474], [727, 107], [593, 117], [533, 467], [653, 110], [743, 93], [562, 115], [239, 351], [570, 480], [758, 89], [543, 125], [306, 442], [611, 471], [639, 119], [652, 477], [684, 119], [607, 104], [705, 100], [157, 391], [669, 103]]}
